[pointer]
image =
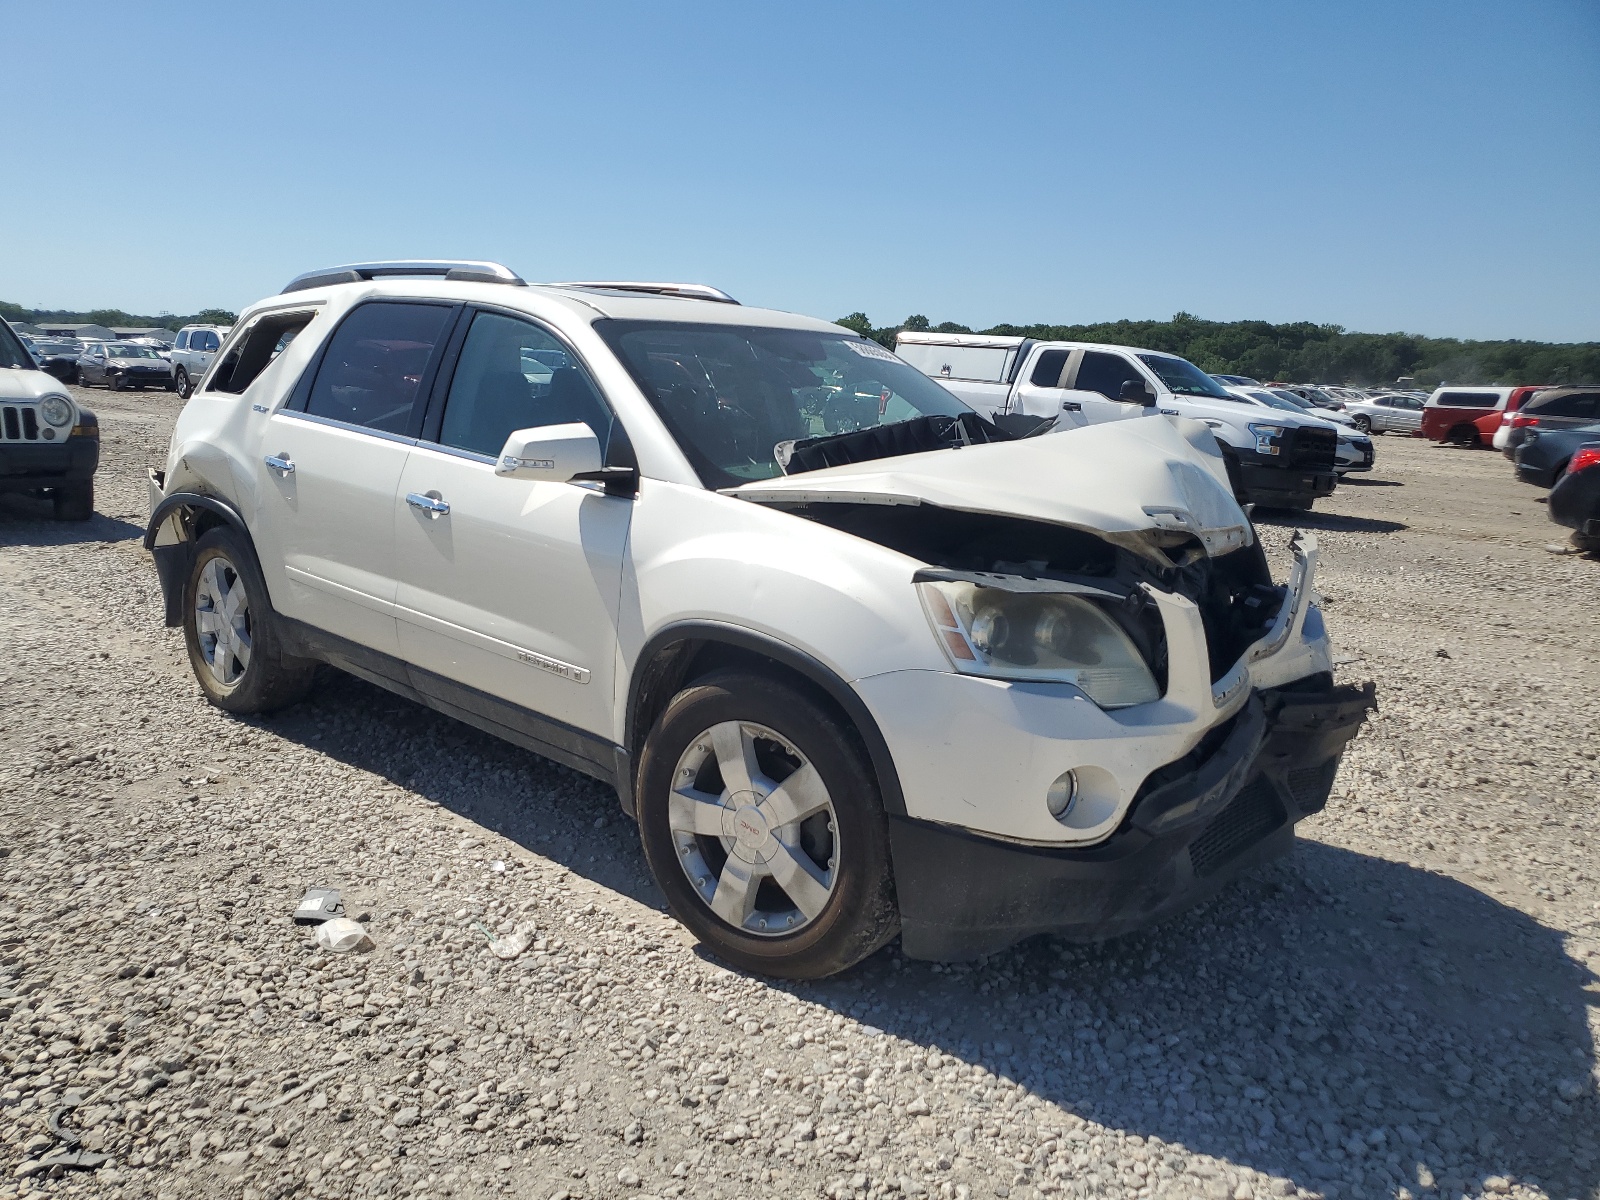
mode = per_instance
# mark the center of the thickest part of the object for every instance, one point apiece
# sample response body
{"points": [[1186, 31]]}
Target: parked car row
{"points": [[1555, 443], [135, 362]]}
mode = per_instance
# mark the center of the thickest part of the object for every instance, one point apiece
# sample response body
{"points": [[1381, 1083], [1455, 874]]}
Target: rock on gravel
{"points": [[1407, 1007]]}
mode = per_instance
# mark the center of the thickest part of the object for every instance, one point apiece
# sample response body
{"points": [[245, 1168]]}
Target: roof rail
{"points": [[461, 271], [689, 291]]}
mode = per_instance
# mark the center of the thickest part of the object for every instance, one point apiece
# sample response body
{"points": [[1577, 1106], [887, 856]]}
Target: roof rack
{"points": [[461, 271], [688, 291]]}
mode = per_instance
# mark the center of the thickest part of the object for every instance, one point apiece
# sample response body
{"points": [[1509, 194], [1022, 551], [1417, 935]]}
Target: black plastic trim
{"points": [[597, 757], [172, 562], [803, 664]]}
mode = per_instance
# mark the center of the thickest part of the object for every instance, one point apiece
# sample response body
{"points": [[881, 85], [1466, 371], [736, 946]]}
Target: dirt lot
{"points": [[1407, 1006]]}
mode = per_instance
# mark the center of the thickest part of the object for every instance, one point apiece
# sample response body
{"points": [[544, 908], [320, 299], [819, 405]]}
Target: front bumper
{"points": [[24, 467], [1358, 457], [962, 895], [140, 378], [1265, 481]]}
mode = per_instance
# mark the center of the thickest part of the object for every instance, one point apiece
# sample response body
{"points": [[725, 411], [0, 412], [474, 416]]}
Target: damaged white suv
{"points": [[858, 660]]}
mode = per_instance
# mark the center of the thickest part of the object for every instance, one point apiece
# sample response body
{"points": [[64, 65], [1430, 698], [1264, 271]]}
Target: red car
{"points": [[1470, 416]]}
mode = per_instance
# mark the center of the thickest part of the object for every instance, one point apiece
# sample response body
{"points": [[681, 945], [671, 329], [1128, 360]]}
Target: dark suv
{"points": [[1554, 408]]}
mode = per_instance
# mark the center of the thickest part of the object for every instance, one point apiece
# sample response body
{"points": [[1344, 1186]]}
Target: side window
{"points": [[375, 363], [1579, 404], [1047, 371], [1105, 373], [261, 343], [183, 340], [513, 375]]}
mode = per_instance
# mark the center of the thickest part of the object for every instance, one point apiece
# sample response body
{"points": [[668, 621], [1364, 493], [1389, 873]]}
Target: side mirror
{"points": [[555, 453], [1135, 391]]}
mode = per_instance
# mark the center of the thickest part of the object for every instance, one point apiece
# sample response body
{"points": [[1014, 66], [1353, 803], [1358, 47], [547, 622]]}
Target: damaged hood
{"points": [[1120, 480]]}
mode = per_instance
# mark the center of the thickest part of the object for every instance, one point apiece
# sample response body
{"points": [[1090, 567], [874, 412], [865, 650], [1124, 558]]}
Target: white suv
{"points": [[855, 658], [192, 353]]}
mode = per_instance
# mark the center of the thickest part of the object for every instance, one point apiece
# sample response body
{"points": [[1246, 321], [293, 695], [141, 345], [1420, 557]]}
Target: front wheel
{"points": [[182, 378], [762, 824], [1362, 422], [235, 649]]}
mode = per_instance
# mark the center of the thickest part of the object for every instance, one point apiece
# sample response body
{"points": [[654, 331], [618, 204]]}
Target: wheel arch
{"points": [[188, 515], [680, 653]]}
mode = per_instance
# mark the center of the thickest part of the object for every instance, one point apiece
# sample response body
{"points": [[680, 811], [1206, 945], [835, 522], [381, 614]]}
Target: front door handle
{"points": [[280, 462], [432, 505]]}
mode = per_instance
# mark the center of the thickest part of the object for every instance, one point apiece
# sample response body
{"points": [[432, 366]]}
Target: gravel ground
{"points": [[1406, 1007]]}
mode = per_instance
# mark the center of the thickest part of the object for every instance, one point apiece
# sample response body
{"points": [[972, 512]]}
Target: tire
{"points": [[1362, 422], [264, 677], [1464, 436], [181, 378], [113, 383], [73, 501], [1230, 462], [823, 882]]}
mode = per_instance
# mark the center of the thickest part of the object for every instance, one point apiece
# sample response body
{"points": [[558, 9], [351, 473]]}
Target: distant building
{"points": [[127, 333], [25, 327], [88, 333]]}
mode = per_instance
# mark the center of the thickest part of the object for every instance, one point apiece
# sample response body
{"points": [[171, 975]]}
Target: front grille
{"points": [[19, 424], [1249, 817], [1309, 786], [1311, 449]]}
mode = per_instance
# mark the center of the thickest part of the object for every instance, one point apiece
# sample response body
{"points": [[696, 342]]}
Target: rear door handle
{"points": [[280, 462], [435, 508]]}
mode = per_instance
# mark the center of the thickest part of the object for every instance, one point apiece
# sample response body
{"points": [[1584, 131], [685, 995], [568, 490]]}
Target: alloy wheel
{"points": [[222, 621], [754, 828]]}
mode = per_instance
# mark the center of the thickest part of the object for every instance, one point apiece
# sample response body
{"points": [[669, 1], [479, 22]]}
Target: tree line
{"points": [[113, 317], [1302, 352]]}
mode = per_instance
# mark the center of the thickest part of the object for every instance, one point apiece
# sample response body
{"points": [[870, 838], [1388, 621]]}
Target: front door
{"points": [[1043, 391], [511, 586], [328, 472], [1098, 382]]}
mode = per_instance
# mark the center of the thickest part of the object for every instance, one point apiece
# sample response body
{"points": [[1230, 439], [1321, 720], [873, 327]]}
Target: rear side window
{"points": [[375, 364], [1047, 371], [1468, 400], [1574, 404], [183, 340], [261, 343], [1105, 373]]}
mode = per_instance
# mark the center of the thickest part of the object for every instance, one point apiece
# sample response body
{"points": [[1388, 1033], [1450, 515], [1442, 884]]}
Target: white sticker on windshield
{"points": [[871, 350]]}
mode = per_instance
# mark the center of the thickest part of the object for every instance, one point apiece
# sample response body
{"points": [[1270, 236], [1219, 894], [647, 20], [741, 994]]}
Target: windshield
{"points": [[729, 394], [122, 350], [1183, 378], [1276, 401], [12, 353]]}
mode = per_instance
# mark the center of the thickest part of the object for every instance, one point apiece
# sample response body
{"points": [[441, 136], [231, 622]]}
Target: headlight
{"points": [[1042, 637], [55, 411], [1266, 437]]}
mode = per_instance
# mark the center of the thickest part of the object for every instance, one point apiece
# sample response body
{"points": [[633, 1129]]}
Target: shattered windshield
{"points": [[731, 394]]}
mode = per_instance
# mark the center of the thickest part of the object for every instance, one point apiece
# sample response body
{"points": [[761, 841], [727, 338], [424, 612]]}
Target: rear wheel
{"points": [[235, 649], [1464, 436], [1362, 422], [761, 822], [182, 378], [73, 501]]}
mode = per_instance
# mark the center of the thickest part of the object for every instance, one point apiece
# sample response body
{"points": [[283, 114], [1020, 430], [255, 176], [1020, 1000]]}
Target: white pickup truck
{"points": [[1276, 459]]}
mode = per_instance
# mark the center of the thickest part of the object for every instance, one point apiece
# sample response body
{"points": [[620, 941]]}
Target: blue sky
{"points": [[1427, 167]]}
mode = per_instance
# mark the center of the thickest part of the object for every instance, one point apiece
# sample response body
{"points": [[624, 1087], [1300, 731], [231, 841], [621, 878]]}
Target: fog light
{"points": [[1063, 794]]}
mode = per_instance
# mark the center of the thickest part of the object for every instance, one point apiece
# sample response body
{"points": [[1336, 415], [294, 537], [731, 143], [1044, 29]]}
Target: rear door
{"points": [[1041, 389], [329, 466]]}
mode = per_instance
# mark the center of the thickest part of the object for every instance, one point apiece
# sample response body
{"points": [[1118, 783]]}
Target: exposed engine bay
{"points": [[1234, 591]]}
